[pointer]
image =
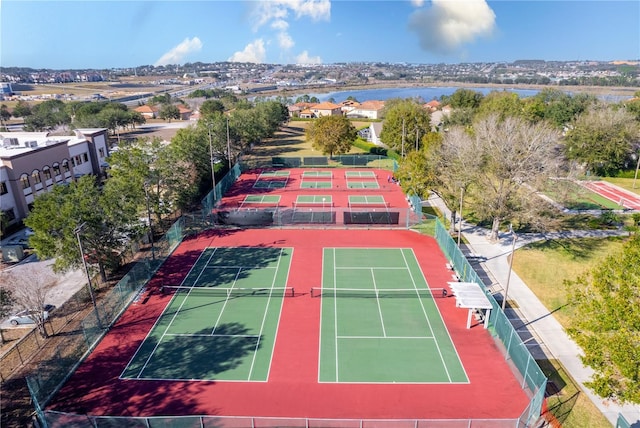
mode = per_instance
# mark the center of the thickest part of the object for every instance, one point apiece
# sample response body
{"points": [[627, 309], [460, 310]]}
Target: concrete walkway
{"points": [[544, 336]]}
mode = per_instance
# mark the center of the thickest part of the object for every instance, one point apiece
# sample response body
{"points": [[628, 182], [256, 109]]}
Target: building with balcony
{"points": [[31, 163]]}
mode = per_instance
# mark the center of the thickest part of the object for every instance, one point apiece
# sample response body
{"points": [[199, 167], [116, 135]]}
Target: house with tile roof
{"points": [[367, 109], [185, 112], [326, 109], [147, 111]]}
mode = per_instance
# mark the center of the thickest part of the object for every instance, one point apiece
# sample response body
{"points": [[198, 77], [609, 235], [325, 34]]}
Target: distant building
{"points": [[5, 89], [147, 111], [367, 109], [31, 163], [326, 109]]}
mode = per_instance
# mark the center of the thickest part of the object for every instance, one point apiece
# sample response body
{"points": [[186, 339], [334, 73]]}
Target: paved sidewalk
{"points": [[533, 321]]}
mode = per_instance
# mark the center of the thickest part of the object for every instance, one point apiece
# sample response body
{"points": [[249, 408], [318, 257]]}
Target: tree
{"points": [[502, 104], [168, 112], [331, 135], [496, 162], [22, 109], [6, 305], [603, 140], [5, 114], [29, 290], [58, 213], [406, 122], [210, 107], [607, 299], [47, 116], [463, 98]]}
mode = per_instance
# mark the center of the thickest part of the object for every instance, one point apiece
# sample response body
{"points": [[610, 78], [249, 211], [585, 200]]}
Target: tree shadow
{"points": [[201, 356], [575, 248]]}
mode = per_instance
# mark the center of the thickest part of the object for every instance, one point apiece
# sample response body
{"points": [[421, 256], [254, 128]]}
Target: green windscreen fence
{"points": [[46, 379], [500, 327]]}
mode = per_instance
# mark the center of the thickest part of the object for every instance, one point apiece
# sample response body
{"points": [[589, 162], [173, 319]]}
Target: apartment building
{"points": [[32, 162]]}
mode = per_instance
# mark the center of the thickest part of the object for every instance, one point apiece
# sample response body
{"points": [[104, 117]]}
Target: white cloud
{"points": [[253, 52], [177, 54], [267, 11], [449, 24], [278, 13], [417, 3], [280, 25], [304, 58], [285, 41]]}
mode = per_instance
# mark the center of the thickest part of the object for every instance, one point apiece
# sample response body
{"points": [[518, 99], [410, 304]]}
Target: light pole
{"points": [[635, 177], [146, 194], [77, 231], [228, 145], [460, 216], [213, 173], [513, 249]]}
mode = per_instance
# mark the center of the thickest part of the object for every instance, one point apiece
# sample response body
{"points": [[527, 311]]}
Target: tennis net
{"points": [[228, 292], [378, 293]]}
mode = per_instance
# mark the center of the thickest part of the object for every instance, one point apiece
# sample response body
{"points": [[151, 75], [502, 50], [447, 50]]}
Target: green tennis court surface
{"points": [[222, 324], [378, 331], [261, 199], [268, 174], [312, 184], [366, 200], [356, 184], [314, 199], [360, 174], [317, 174], [270, 184]]}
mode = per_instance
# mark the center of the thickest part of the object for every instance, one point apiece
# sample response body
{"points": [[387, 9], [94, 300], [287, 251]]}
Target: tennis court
{"points": [[315, 184], [221, 321], [261, 200], [360, 184], [364, 200], [272, 174], [360, 174], [317, 174], [379, 321], [314, 200]]}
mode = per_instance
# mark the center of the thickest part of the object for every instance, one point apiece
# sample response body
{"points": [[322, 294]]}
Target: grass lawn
{"points": [[575, 197], [290, 141], [625, 183], [563, 260]]}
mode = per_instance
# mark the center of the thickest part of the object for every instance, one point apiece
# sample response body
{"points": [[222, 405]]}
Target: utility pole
{"points": [[228, 145], [213, 172], [77, 231], [513, 253]]}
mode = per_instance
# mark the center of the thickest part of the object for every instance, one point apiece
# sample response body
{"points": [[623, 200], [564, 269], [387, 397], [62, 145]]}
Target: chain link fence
{"points": [[51, 375]]}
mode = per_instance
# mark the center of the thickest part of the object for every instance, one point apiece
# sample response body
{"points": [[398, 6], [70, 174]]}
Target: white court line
{"points": [[424, 311], [389, 337], [224, 305], [171, 322], [375, 288], [158, 319], [264, 318]]}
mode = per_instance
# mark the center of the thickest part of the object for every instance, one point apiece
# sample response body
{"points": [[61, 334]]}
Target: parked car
{"points": [[26, 317]]}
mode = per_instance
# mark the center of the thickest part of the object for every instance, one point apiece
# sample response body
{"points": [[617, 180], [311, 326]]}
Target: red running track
{"points": [[626, 199]]}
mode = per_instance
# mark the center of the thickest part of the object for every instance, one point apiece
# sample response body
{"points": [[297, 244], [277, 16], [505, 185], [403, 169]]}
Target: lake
{"points": [[429, 93], [424, 92]]}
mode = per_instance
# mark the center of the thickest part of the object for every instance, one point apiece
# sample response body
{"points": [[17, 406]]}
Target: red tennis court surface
{"points": [[339, 189], [620, 196], [293, 390]]}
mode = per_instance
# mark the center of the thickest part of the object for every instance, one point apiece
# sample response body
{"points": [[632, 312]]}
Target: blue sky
{"points": [[127, 33]]}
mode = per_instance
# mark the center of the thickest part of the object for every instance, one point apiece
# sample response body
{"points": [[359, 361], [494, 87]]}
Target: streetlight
{"points": [[213, 173], [513, 249], [77, 231], [228, 145], [460, 215], [635, 177], [146, 194]]}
